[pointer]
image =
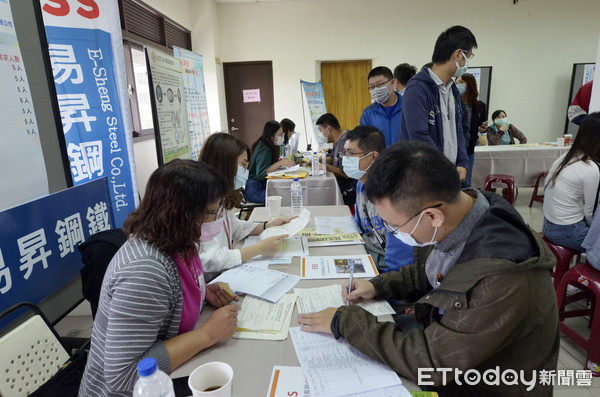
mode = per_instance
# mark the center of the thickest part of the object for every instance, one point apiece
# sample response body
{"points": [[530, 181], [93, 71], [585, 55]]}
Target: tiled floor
{"points": [[571, 356]]}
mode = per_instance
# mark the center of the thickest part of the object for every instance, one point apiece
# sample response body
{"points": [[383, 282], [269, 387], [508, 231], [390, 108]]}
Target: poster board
{"points": [[595, 100], [169, 109], [313, 104]]}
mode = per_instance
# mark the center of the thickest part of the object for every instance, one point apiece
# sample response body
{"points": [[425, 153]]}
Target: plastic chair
{"points": [[564, 256], [508, 180], [587, 279], [535, 196], [245, 205]]}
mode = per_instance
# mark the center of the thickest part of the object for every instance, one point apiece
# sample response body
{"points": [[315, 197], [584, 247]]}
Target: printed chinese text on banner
{"points": [[314, 100], [192, 73], [86, 53]]}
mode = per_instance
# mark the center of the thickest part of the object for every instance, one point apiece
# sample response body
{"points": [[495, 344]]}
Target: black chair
{"points": [[246, 206], [96, 253]]}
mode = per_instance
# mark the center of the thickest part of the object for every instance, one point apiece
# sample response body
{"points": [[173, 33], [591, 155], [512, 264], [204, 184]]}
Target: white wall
{"points": [[531, 46]]}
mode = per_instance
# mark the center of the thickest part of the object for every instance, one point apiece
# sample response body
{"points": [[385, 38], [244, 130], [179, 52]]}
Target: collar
{"points": [[439, 81]]}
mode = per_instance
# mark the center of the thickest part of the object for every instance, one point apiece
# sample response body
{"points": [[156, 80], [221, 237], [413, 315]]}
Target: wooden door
{"points": [[249, 98], [346, 90]]}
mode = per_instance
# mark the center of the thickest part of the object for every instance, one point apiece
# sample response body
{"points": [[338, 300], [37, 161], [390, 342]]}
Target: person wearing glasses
{"points": [[361, 148], [229, 156], [484, 297], [154, 289], [384, 112], [432, 109]]}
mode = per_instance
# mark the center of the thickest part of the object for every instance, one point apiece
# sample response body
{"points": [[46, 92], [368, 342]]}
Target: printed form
{"points": [[259, 319], [316, 299], [333, 368], [291, 228], [322, 267], [336, 225], [263, 283]]}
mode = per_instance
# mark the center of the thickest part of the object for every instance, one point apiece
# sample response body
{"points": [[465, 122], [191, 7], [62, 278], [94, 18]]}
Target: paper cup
{"points": [[274, 204], [568, 139], [210, 375], [560, 141]]}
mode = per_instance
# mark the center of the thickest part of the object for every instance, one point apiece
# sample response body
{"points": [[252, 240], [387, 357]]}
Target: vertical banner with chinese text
{"points": [[192, 73], [86, 53], [314, 101], [22, 168]]}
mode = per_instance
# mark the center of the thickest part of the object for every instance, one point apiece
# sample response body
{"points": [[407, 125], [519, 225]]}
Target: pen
{"points": [[350, 285]]}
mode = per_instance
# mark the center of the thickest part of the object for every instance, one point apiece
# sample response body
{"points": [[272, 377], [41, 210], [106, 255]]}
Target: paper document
{"points": [[259, 319], [290, 247], [289, 170], [316, 267], [336, 224], [263, 283], [325, 240], [290, 381], [334, 368], [316, 299], [291, 228]]}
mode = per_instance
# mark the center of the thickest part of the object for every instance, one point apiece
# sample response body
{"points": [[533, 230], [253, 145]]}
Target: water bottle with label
{"points": [[324, 162], [296, 196], [152, 382], [315, 164]]}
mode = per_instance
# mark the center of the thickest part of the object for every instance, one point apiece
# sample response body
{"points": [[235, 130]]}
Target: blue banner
{"points": [[88, 90], [314, 100], [39, 240]]}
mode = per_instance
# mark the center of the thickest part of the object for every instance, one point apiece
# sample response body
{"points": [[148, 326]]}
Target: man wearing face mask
{"points": [[483, 294], [362, 146], [384, 113], [433, 111]]}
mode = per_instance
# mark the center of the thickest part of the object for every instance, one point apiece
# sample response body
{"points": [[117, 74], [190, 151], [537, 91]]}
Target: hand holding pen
{"points": [[357, 290]]}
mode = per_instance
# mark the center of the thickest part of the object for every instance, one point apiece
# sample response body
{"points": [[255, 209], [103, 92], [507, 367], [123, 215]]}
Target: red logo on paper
{"points": [[315, 266]]}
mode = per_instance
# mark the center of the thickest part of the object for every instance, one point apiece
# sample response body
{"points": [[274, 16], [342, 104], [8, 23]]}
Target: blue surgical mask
{"points": [[462, 88], [461, 70], [240, 177], [408, 239], [501, 122], [350, 166]]}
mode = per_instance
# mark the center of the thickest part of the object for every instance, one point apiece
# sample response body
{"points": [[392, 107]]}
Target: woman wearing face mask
{"points": [[476, 115], [229, 157], [154, 289], [502, 132], [289, 135], [265, 159]]}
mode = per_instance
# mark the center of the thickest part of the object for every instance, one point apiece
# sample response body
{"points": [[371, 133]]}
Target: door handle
{"points": [[234, 129]]}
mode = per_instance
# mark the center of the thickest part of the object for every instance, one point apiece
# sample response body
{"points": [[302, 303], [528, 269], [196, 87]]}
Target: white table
{"points": [[524, 162], [320, 190], [253, 360]]}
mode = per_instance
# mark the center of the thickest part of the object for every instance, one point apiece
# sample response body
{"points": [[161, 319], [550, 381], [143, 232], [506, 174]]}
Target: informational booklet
{"points": [[336, 225], [263, 283], [333, 368], [339, 266], [316, 299], [289, 248], [259, 319], [326, 240], [291, 229]]}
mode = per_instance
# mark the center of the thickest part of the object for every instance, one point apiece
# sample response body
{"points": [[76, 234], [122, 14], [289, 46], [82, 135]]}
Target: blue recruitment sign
{"points": [[315, 101], [39, 240], [87, 80]]}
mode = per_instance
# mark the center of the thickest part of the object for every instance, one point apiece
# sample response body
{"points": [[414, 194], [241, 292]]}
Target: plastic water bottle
{"points": [[324, 162], [315, 164], [296, 195], [152, 382]]}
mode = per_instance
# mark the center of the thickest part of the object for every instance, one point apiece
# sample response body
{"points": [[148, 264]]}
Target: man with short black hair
{"points": [[384, 113], [403, 73], [433, 111], [484, 298], [329, 126]]}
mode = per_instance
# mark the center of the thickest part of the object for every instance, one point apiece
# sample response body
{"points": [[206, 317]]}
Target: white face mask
{"points": [[279, 141], [380, 94], [461, 70], [350, 166], [240, 177], [408, 239]]}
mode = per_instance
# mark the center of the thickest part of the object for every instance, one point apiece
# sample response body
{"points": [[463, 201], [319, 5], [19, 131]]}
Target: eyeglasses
{"points": [[467, 56], [380, 84], [395, 230], [344, 153], [218, 213]]}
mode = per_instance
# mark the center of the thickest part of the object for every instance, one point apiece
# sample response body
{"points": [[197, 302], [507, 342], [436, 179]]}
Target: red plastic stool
{"points": [[508, 180], [535, 196], [563, 256], [586, 278]]}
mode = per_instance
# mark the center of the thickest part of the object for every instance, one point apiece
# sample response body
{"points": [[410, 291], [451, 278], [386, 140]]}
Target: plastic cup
{"points": [[560, 141], [211, 380], [274, 205]]}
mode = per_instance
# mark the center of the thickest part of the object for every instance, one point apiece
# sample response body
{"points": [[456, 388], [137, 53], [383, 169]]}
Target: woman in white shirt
{"points": [[229, 156], [572, 186]]}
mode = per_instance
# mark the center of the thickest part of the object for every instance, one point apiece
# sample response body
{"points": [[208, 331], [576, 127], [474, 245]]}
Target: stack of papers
{"points": [[289, 248], [334, 368], [325, 240], [291, 172], [318, 267], [259, 319], [336, 225], [263, 283], [290, 229], [316, 299]]}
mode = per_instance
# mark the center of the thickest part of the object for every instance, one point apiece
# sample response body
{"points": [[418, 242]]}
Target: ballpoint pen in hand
{"points": [[350, 285]]}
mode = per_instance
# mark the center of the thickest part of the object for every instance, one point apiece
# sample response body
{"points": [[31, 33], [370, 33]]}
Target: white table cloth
{"points": [[321, 190]]}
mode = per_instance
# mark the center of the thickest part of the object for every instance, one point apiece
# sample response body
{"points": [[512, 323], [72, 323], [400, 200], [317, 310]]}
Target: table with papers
{"points": [[321, 190], [253, 360], [524, 162]]}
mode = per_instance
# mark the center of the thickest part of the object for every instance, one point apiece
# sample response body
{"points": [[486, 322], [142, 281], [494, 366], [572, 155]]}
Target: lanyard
{"points": [[380, 240], [227, 228]]}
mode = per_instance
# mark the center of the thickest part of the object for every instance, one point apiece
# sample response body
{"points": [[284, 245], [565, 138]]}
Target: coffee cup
{"points": [[568, 139], [211, 380], [274, 205]]}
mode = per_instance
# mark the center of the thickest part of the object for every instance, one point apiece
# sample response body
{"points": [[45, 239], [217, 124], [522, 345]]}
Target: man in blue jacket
{"points": [[433, 111], [385, 111]]}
